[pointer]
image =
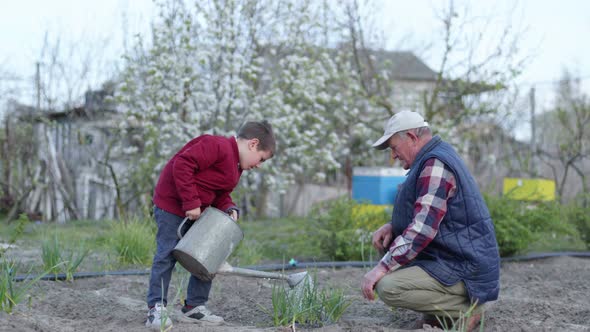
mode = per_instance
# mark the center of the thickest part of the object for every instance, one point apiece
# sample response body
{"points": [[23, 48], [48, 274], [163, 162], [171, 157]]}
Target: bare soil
{"points": [[542, 295]]}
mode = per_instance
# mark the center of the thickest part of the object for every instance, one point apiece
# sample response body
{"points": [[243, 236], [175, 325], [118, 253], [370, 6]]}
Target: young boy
{"points": [[203, 173]]}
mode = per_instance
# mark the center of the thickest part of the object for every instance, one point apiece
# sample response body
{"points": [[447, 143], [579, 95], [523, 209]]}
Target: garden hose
{"points": [[290, 266]]}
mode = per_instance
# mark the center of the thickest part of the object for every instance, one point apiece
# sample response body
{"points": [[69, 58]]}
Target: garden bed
{"points": [[546, 294]]}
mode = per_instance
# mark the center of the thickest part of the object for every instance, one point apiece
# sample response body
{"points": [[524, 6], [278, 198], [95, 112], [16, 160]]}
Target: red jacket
{"points": [[203, 173]]}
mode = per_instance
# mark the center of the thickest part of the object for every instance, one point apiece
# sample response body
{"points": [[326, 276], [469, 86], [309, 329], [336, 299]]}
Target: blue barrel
{"points": [[376, 185]]}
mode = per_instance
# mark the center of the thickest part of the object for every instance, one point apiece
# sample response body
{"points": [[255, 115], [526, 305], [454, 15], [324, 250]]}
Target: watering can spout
{"points": [[292, 279], [224, 268]]}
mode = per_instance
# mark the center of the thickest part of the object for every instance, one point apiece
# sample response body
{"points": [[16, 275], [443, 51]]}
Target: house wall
{"points": [[410, 94]]}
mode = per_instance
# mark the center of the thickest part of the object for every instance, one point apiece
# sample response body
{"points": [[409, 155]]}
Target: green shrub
{"points": [[134, 241], [512, 236], [344, 228], [518, 223], [579, 216], [547, 217]]}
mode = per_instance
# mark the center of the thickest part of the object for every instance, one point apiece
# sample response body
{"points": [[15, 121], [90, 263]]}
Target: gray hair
{"points": [[419, 132]]}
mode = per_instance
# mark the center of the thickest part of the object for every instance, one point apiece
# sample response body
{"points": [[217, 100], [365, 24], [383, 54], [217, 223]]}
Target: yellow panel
{"points": [[359, 209], [529, 189]]}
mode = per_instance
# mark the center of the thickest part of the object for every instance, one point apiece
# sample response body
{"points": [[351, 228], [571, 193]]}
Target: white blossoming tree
{"points": [[212, 66]]}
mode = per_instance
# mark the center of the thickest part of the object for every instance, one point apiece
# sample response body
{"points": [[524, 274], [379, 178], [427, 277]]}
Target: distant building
{"points": [[72, 146]]}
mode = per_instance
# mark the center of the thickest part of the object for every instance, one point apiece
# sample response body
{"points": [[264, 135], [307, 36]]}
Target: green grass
{"points": [[93, 233], [115, 245], [273, 239], [125, 246], [279, 240], [98, 252], [133, 241]]}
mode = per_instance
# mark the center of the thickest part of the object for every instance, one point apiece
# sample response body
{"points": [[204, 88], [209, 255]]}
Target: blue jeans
{"points": [[197, 292]]}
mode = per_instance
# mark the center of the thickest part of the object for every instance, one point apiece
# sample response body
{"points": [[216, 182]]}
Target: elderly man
{"points": [[443, 261]]}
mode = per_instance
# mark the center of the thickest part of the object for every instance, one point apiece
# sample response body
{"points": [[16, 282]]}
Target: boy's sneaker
{"points": [[158, 317], [200, 314]]}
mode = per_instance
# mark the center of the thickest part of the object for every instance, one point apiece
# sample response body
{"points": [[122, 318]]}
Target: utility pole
{"points": [[534, 166], [38, 85]]}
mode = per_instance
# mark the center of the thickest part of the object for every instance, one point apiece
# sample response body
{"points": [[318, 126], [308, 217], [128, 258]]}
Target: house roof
{"points": [[404, 65], [95, 106]]}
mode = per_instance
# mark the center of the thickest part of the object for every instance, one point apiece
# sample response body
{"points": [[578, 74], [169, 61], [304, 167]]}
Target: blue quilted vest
{"points": [[465, 247]]}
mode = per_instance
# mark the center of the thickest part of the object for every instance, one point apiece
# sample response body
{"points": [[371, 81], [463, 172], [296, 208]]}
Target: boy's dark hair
{"points": [[261, 130]]}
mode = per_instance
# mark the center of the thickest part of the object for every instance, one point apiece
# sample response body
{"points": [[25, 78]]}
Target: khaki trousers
{"points": [[412, 288]]}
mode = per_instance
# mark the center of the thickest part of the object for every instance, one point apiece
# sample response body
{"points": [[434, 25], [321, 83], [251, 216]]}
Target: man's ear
{"points": [[412, 135]]}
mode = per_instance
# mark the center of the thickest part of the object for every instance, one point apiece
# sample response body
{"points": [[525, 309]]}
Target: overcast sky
{"points": [[556, 36]]}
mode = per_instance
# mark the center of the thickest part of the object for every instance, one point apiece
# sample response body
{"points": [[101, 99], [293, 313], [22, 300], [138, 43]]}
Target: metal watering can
{"points": [[208, 243], [205, 247]]}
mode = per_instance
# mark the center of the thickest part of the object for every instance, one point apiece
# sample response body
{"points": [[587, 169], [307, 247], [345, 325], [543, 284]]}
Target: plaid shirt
{"points": [[435, 186]]}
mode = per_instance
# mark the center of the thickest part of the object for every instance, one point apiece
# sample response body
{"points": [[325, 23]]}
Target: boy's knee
{"points": [[163, 259]]}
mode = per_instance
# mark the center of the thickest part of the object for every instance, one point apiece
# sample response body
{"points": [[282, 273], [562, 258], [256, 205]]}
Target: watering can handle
{"points": [[180, 227]]}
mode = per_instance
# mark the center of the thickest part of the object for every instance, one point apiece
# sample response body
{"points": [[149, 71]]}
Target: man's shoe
{"points": [[473, 323], [158, 317], [444, 323], [200, 314]]}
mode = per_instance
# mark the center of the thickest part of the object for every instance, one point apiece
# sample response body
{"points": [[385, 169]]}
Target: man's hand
{"points": [[234, 215], [382, 238], [193, 214], [371, 279]]}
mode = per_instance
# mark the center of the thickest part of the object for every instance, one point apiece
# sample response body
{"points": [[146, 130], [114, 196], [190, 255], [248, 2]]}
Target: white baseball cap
{"points": [[403, 120]]}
